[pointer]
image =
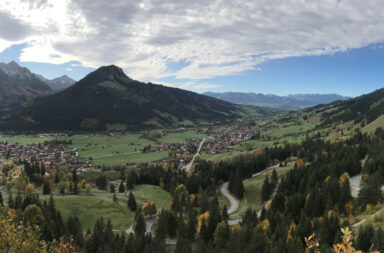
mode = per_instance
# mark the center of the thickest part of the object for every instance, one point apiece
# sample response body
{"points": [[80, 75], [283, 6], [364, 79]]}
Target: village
{"points": [[47, 153]]}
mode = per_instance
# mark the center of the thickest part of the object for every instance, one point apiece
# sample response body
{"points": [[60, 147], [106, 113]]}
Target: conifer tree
{"points": [[121, 187], [46, 188], [132, 202], [139, 224], [11, 203], [266, 189]]}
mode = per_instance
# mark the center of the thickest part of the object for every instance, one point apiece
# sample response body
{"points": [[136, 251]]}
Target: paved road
{"points": [[234, 203], [355, 185], [189, 165]]}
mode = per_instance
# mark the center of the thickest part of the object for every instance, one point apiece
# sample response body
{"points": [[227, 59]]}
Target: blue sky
{"points": [[262, 46], [350, 73]]}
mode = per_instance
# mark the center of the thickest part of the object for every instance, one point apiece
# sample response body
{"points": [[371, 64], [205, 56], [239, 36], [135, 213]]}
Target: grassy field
{"points": [[371, 127], [180, 137], [252, 186], [110, 150], [25, 140], [100, 204], [289, 130]]}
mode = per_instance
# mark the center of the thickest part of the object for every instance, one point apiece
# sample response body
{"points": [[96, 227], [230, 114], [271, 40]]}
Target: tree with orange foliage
{"points": [[149, 208]]}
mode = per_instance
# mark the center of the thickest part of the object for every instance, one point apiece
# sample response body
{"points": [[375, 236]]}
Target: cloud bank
{"points": [[211, 38]]}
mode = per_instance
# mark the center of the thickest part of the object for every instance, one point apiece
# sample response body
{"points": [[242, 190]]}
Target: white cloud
{"points": [[215, 38]]}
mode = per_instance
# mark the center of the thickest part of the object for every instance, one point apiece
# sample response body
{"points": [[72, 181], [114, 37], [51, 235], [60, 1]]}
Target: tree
{"points": [[101, 182], [121, 187], [132, 202], [274, 178], [1, 199], [112, 188], [30, 189], [131, 180], [236, 184], [221, 234], [46, 188], [149, 208], [266, 189], [33, 214], [139, 224], [365, 237]]}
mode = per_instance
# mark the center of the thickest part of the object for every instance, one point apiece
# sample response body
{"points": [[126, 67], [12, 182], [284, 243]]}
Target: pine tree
{"points": [[74, 176], [46, 188], [18, 201], [224, 213], [131, 180], [132, 202], [139, 224], [112, 188], [42, 169], [265, 189], [275, 179], [365, 237], [237, 186], [11, 203], [121, 187]]}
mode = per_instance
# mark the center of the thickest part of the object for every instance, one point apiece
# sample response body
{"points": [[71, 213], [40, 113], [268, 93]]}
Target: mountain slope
{"points": [[108, 97], [290, 102], [18, 85], [60, 83], [363, 109]]}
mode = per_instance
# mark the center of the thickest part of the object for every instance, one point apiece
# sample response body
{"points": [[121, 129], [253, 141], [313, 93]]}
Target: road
{"points": [[354, 182], [189, 165], [234, 203]]}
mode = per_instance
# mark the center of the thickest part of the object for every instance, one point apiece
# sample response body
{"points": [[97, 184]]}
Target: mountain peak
{"points": [[13, 64], [109, 73]]}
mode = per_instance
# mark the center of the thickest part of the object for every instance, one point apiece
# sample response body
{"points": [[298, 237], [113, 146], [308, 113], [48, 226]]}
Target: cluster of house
{"points": [[222, 140], [46, 153]]}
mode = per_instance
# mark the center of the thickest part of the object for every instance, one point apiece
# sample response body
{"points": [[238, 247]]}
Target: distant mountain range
{"points": [[19, 85], [290, 102], [108, 99]]}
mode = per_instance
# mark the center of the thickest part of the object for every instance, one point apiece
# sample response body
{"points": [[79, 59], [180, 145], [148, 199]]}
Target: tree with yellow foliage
{"points": [[30, 189]]}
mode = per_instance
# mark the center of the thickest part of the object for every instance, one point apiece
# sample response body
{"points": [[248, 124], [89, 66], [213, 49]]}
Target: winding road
{"points": [[234, 203]]}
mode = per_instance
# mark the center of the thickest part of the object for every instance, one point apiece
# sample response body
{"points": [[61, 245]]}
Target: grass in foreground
{"points": [[89, 208]]}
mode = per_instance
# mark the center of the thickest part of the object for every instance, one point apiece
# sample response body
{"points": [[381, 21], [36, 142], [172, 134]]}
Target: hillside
{"points": [[107, 98], [360, 110], [290, 102], [18, 85]]}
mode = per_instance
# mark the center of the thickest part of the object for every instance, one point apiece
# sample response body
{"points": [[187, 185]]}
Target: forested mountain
{"points": [[18, 85], [290, 102], [363, 109], [108, 98]]}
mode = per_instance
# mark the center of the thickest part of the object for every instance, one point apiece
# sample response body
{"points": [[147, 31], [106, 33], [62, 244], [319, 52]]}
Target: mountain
{"points": [[290, 102], [363, 109], [60, 83], [107, 98], [19, 85]]}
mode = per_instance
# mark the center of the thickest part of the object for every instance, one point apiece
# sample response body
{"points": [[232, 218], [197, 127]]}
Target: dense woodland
{"points": [[312, 205]]}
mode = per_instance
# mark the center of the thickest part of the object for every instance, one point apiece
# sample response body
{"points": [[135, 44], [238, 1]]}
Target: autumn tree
{"points": [[149, 208]]}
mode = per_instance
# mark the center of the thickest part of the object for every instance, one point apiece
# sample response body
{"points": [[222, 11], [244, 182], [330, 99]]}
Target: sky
{"points": [[263, 46]]}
